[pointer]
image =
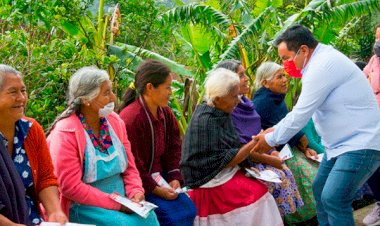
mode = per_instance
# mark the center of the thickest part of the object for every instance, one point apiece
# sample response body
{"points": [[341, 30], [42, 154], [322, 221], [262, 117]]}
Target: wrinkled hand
{"points": [[310, 152], [57, 216], [175, 184], [275, 153], [261, 145], [165, 193], [138, 197], [302, 143], [271, 129], [277, 162]]}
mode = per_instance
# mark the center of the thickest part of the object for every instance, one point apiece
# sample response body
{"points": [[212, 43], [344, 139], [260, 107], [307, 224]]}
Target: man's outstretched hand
{"points": [[261, 145]]}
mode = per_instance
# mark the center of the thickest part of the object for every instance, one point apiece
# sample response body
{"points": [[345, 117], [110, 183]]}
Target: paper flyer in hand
{"points": [[320, 157], [67, 224], [163, 183], [286, 152], [266, 175], [143, 208]]}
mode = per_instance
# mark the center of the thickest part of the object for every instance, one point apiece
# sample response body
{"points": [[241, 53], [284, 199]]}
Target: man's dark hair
{"points": [[295, 36], [378, 26]]}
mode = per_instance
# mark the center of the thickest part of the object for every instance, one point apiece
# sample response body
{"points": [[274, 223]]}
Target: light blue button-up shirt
{"points": [[340, 100]]}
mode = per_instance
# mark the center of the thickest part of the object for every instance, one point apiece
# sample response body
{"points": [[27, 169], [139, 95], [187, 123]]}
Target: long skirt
{"points": [[239, 201], [304, 171], [178, 212], [286, 194]]}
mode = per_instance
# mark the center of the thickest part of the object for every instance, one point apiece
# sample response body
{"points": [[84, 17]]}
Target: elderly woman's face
{"points": [[13, 98], [244, 85], [278, 84], [228, 103], [104, 97]]}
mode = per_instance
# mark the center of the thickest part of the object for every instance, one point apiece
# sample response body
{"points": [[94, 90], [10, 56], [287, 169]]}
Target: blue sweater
{"points": [[272, 108]]}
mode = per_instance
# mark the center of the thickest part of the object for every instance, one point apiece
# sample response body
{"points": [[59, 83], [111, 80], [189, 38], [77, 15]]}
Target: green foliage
{"points": [[125, 52], [48, 40], [31, 42]]}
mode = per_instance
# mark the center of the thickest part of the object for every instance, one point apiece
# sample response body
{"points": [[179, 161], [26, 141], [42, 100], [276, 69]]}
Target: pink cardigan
{"points": [[67, 143]]}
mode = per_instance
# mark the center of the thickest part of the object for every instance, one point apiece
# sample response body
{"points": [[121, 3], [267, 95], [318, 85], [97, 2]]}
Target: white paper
{"points": [[266, 175], [320, 157], [286, 152], [67, 224], [143, 208], [163, 183]]}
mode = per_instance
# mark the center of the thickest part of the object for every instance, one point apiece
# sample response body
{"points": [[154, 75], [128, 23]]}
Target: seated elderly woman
{"points": [[271, 85], [92, 155], [248, 123], [210, 161], [26, 171]]}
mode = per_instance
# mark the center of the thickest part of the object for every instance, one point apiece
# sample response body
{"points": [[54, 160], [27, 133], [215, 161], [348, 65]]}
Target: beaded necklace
{"points": [[104, 141]]}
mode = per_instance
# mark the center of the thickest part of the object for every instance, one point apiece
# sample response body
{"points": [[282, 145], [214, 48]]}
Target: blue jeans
{"points": [[336, 183]]}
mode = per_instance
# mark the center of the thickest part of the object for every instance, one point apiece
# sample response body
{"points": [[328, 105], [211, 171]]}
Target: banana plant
{"points": [[89, 35], [125, 51]]}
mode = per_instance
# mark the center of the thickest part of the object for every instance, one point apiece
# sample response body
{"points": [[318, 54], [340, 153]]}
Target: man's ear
{"points": [[305, 50]]}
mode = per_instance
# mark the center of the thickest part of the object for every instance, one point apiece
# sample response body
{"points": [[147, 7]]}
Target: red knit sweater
{"points": [[167, 148], [39, 157]]}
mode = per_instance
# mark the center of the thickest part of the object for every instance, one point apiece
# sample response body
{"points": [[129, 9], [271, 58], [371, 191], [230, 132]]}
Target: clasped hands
{"points": [[262, 146]]}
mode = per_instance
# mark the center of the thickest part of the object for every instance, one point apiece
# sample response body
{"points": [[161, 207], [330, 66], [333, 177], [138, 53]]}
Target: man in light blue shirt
{"points": [[338, 97]]}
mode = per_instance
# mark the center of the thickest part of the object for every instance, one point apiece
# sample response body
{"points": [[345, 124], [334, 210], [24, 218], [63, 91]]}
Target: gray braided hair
{"points": [[83, 85]]}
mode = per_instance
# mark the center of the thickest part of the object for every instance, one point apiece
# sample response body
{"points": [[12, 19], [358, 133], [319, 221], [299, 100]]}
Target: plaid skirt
{"points": [[178, 212]]}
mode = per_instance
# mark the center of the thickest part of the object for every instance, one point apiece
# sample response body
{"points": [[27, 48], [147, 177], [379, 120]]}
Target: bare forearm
{"points": [[267, 159], [6, 222], [49, 199], [242, 154]]}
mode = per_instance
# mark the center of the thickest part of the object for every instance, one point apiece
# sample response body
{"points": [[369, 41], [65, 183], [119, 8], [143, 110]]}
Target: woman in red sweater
{"points": [[30, 179], [156, 144]]}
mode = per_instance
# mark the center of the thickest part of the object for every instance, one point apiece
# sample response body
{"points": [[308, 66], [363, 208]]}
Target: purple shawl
{"points": [[246, 120], [12, 199]]}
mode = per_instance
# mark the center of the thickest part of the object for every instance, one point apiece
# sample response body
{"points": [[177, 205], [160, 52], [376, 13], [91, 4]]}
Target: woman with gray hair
{"points": [[92, 155], [26, 171], [247, 123], [269, 102], [210, 161]]}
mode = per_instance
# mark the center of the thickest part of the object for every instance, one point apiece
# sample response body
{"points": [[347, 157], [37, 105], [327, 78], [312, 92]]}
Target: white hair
{"points": [[83, 85], [86, 83], [219, 83], [7, 70], [266, 72]]}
